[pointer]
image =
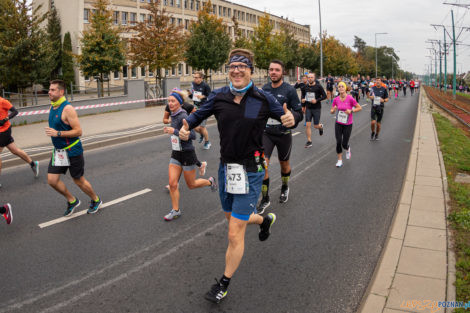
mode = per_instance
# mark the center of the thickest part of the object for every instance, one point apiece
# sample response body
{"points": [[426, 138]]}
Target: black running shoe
{"points": [[265, 227], [71, 207], [372, 135], [284, 194], [377, 137], [263, 205], [308, 144], [217, 292], [321, 130]]}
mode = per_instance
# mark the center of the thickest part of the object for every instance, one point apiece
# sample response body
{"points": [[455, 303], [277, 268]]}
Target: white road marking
{"points": [[104, 205], [363, 105], [295, 134]]}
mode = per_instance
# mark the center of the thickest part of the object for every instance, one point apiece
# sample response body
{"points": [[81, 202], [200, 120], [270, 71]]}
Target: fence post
{"points": [[35, 96], [21, 99], [108, 89], [71, 91]]}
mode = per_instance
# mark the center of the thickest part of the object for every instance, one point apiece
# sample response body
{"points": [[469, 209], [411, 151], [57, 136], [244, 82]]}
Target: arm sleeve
{"points": [[13, 113], [322, 94], [204, 111]]}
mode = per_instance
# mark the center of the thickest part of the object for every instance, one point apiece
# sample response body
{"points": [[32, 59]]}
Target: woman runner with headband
{"points": [[183, 157]]}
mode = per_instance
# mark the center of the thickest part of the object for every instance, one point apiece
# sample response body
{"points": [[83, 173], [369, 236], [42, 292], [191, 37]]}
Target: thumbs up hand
{"points": [[184, 131], [288, 118]]}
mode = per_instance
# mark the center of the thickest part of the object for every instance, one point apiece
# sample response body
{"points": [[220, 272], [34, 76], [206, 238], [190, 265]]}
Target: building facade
{"points": [[75, 18]]}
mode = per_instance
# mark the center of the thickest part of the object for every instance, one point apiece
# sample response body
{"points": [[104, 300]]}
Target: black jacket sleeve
{"points": [[13, 113]]}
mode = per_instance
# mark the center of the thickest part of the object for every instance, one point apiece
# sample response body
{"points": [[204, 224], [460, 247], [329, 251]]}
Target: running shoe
{"points": [[201, 138], [263, 205], [377, 137], [284, 194], [172, 215], [265, 227], [321, 130], [8, 215], [308, 144], [348, 153], [35, 169], [71, 207], [217, 292], [94, 206], [372, 136], [213, 184], [207, 145], [339, 163], [202, 169]]}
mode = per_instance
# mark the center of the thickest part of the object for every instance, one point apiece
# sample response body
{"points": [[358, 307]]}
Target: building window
{"points": [[116, 75], [150, 73], [173, 70], [220, 10], [180, 69], [229, 12], [191, 5], [185, 4], [142, 71], [186, 70], [197, 5], [178, 3], [86, 15], [172, 20], [186, 24], [165, 2], [133, 18], [214, 9], [180, 22], [150, 20], [124, 18], [172, 3], [243, 16], [116, 18], [124, 71], [167, 72], [225, 11], [142, 17], [87, 78], [134, 72]]}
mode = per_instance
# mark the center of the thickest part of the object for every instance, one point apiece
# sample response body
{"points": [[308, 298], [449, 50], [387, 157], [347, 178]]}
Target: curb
{"points": [[94, 145]]}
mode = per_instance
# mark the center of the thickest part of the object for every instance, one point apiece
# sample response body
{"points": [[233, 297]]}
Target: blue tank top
{"points": [[55, 121]]}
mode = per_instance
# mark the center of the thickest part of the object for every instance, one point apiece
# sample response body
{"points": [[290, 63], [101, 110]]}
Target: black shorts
{"points": [[313, 114], [76, 168], [6, 138], [376, 114], [330, 89], [282, 142], [185, 158]]}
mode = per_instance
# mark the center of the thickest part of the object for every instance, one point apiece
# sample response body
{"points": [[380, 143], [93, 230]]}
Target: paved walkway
{"points": [[416, 264]]}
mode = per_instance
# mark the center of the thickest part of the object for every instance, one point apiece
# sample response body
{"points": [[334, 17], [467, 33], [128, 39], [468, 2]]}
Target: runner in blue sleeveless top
{"points": [[64, 130]]}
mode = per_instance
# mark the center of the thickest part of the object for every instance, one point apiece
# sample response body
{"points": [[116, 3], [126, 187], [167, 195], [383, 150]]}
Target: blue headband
{"points": [[241, 58], [177, 96]]}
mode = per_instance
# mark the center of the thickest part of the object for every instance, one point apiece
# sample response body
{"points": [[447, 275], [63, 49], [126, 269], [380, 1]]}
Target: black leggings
{"points": [[342, 134]]}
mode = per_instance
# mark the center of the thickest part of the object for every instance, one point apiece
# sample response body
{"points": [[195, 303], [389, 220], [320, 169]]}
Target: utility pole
{"points": [[454, 81], [321, 42], [440, 66], [445, 62]]}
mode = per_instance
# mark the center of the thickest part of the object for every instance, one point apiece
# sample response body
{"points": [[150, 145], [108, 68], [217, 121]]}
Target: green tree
{"points": [[240, 40], [102, 48], [208, 44], [23, 48], [266, 46], [68, 74], [55, 44], [359, 44], [340, 59], [290, 53], [157, 43], [310, 57]]}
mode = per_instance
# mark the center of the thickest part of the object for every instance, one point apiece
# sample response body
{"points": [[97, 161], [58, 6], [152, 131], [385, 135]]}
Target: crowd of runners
{"points": [[251, 122]]}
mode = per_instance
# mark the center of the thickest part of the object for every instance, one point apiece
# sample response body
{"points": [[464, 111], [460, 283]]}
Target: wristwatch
{"points": [[58, 133]]}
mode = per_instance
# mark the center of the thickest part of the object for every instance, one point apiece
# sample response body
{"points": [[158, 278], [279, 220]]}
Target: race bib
{"points": [[60, 157], [236, 179], [355, 87], [272, 121], [310, 96], [175, 143], [377, 101], [342, 117], [195, 96]]}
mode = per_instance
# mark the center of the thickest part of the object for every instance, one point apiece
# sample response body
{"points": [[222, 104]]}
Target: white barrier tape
{"points": [[91, 106]]}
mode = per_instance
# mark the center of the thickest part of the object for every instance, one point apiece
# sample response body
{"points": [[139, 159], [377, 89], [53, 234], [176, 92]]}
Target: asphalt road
{"points": [[320, 257]]}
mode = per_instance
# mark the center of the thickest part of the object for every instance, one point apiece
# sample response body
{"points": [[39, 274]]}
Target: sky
{"points": [[408, 24]]}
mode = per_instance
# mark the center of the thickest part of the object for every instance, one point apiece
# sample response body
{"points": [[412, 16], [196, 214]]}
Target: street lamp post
{"points": [[376, 51], [321, 42]]}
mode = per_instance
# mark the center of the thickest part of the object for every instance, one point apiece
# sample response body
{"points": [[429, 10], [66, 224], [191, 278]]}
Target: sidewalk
{"points": [[416, 265]]}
